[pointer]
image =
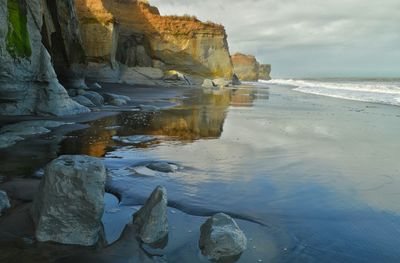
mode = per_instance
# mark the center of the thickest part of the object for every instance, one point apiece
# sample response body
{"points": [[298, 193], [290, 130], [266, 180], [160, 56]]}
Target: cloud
{"points": [[307, 37]]}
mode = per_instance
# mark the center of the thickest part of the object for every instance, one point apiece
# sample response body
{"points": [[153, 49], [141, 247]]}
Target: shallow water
{"points": [[310, 178]]}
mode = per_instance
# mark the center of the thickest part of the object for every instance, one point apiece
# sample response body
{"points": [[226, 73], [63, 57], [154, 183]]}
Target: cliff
{"points": [[134, 34], [28, 82], [247, 68], [45, 44]]}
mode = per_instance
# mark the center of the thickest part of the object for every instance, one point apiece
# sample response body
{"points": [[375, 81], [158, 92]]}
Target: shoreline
{"points": [[277, 106]]}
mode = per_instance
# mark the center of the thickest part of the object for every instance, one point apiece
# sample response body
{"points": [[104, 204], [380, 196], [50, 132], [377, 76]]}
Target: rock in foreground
{"points": [[221, 237], [70, 201], [151, 219]]}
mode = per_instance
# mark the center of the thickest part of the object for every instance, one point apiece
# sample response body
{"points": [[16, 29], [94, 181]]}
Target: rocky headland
{"points": [[247, 68]]}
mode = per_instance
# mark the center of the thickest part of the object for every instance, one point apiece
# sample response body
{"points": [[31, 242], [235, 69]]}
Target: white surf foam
{"points": [[376, 91]]}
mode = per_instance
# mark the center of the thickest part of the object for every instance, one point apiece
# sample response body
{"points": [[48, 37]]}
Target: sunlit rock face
{"points": [[135, 34], [28, 82], [246, 67], [265, 72]]}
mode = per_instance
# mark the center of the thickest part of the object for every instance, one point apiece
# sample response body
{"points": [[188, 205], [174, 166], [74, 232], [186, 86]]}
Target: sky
{"points": [[307, 38]]}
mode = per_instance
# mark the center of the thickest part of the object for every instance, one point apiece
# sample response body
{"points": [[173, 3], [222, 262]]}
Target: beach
{"points": [[308, 178]]}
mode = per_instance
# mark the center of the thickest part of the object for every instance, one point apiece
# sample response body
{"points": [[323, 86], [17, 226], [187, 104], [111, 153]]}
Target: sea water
{"points": [[386, 91]]}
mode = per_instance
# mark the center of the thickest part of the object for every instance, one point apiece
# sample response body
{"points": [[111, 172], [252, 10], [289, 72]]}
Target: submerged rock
{"points": [[163, 167], [70, 201], [221, 237], [151, 219], [4, 202], [135, 139]]}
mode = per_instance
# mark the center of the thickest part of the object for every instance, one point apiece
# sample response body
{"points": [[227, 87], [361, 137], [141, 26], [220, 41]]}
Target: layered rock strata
{"points": [[134, 34]]}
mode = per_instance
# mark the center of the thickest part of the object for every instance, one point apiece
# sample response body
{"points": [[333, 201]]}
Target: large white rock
{"points": [[70, 201], [151, 219], [221, 237]]}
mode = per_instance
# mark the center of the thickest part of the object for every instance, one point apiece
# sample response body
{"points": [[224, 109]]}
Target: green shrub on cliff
{"points": [[18, 44]]}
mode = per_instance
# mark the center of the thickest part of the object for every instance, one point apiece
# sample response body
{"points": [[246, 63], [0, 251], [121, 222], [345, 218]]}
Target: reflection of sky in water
{"points": [[323, 170]]}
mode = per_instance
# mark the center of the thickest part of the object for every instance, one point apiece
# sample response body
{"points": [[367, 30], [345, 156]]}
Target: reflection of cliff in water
{"points": [[200, 116]]}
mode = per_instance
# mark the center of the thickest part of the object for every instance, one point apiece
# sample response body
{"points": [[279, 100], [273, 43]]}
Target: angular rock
{"points": [[208, 83], [70, 201], [84, 101], [4, 202], [151, 219], [221, 237], [94, 97]]}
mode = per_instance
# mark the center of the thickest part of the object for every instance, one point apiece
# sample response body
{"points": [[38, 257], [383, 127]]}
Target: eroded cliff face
{"points": [[246, 67], [28, 82], [136, 35]]}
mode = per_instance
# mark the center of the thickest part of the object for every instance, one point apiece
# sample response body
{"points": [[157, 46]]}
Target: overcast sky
{"points": [[307, 38]]}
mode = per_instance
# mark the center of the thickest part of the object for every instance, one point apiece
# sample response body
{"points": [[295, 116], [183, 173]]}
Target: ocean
{"points": [[385, 91]]}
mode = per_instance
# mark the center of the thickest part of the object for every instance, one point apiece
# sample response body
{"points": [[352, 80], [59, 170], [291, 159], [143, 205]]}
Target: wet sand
{"points": [[309, 178]]}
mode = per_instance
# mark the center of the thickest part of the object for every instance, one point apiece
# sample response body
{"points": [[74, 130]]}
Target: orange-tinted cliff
{"points": [[135, 34], [247, 68]]}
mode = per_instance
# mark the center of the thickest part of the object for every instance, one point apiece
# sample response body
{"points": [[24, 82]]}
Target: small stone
{"points": [[221, 237], [163, 167]]}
